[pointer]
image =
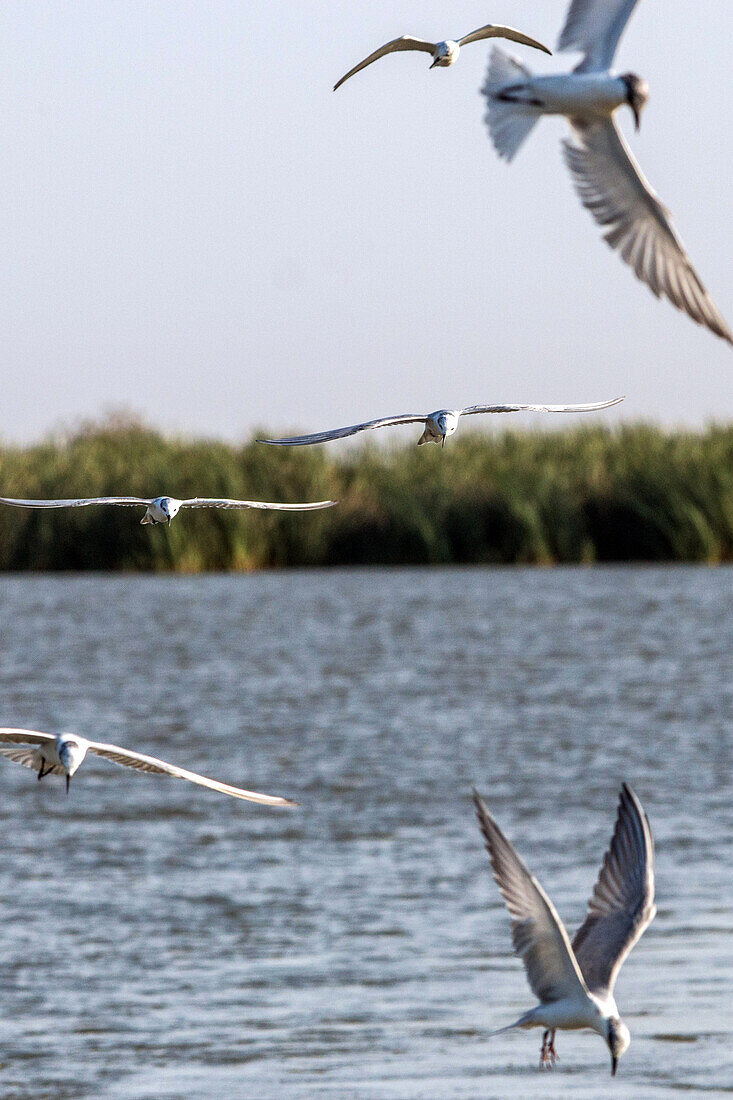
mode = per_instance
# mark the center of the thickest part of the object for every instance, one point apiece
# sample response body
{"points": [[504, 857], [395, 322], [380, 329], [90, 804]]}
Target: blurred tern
{"points": [[438, 425], [608, 180], [443, 53], [62, 753], [163, 509], [574, 983]]}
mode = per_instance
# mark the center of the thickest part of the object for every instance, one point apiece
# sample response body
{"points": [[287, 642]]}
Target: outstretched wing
{"points": [[594, 27], [495, 30], [397, 45], [622, 904], [81, 502], [341, 433], [537, 932], [472, 409], [215, 502], [24, 737], [611, 185], [151, 764]]}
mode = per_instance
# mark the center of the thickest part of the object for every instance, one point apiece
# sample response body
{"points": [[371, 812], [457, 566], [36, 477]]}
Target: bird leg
{"points": [[41, 772], [548, 1057]]}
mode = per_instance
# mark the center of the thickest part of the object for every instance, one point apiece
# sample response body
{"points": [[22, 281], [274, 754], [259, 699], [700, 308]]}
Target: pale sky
{"points": [[196, 228]]}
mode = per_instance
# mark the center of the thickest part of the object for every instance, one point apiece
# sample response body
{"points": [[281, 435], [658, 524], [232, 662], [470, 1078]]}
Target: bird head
{"points": [[445, 54], [637, 95], [618, 1039], [71, 753]]}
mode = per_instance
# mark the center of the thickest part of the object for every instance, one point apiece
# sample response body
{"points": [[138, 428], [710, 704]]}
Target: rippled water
{"points": [[160, 941]]}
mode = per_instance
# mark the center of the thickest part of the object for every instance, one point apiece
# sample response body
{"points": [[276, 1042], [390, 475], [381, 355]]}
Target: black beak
{"points": [[169, 521], [443, 443], [68, 780], [434, 63], [614, 1065], [637, 117]]}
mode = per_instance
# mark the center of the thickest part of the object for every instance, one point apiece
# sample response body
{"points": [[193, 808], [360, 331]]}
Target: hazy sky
{"points": [[196, 228]]}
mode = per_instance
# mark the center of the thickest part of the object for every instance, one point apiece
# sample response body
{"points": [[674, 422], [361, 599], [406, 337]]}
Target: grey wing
{"points": [[594, 27], [215, 502], [29, 758], [406, 42], [611, 186], [537, 932], [473, 409], [80, 502], [622, 904], [24, 737], [342, 433], [495, 30], [139, 761]]}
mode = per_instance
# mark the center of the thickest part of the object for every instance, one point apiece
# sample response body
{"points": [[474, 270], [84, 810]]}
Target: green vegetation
{"points": [[585, 495]]}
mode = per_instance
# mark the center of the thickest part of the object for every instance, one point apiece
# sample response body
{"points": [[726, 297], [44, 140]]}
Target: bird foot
{"points": [[548, 1055]]}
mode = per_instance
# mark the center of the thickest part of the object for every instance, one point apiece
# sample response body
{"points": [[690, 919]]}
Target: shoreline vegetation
{"points": [[584, 495]]}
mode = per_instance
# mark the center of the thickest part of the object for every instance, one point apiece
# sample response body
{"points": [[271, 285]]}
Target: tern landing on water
{"points": [[438, 425], [443, 53], [608, 180], [163, 509], [62, 753], [574, 983]]}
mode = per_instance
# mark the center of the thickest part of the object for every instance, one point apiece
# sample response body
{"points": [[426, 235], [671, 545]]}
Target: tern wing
{"points": [[594, 27], [24, 737], [81, 502], [341, 433], [622, 904], [215, 502], [397, 45], [610, 184], [151, 764], [472, 409], [29, 758], [538, 934], [495, 30]]}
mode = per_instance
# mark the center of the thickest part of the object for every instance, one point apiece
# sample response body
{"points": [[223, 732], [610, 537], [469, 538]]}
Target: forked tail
{"points": [[510, 113]]}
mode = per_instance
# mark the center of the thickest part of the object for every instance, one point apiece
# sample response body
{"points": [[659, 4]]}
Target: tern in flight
{"points": [[443, 53], [163, 509], [574, 982], [62, 753], [608, 180], [438, 425]]}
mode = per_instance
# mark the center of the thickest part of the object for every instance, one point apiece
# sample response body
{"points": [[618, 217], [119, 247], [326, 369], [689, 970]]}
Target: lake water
{"points": [[162, 941]]}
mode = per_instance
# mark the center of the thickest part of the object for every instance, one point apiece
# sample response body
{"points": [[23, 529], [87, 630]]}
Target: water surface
{"points": [[160, 941]]}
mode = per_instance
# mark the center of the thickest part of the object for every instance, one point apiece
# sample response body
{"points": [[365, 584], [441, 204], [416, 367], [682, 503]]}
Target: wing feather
{"points": [[473, 409], [537, 932], [611, 186], [495, 30], [594, 27], [24, 737], [138, 760], [29, 758], [622, 904], [81, 502], [215, 502], [406, 42], [342, 433]]}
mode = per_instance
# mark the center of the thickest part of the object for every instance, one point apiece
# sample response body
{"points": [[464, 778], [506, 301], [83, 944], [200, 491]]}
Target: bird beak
{"points": [[434, 63], [443, 443], [68, 780], [169, 521], [637, 117], [614, 1064]]}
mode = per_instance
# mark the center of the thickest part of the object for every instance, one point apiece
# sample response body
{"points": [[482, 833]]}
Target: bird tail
{"points": [[510, 114], [147, 518], [527, 1020], [424, 438]]}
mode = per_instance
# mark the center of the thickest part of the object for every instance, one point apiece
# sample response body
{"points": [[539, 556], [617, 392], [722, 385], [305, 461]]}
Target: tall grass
{"points": [[585, 495]]}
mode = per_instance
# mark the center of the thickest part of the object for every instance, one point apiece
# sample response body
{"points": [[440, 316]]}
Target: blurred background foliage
{"points": [[635, 493]]}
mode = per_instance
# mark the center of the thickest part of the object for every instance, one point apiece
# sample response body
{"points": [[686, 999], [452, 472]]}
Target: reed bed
{"points": [[585, 495]]}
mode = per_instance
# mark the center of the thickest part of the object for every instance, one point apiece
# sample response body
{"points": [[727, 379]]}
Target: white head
{"points": [[446, 53], [169, 506], [71, 752], [618, 1039]]}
